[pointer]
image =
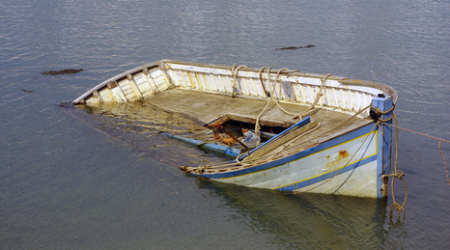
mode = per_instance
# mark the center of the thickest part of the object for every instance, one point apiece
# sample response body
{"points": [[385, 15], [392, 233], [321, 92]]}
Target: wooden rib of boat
{"points": [[325, 134]]}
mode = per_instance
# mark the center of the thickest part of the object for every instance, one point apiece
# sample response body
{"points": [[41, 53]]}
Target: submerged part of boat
{"points": [[316, 133]]}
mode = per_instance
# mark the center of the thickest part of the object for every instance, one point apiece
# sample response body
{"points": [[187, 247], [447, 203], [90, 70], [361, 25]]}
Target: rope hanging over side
{"points": [[398, 174]]}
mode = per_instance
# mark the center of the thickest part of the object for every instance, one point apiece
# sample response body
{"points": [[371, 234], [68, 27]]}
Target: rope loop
{"points": [[234, 72], [376, 113], [399, 175]]}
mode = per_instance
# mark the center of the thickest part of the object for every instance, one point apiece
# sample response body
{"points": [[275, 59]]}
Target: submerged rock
{"points": [[62, 72], [294, 47]]}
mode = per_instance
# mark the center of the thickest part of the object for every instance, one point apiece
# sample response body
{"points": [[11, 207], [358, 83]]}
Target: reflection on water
{"points": [[308, 220]]}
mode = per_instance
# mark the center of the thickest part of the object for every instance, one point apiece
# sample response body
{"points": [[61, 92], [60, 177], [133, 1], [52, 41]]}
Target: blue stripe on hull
{"points": [[327, 175], [329, 144]]}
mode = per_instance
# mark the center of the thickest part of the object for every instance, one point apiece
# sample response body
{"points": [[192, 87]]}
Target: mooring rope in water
{"points": [[445, 163], [432, 137], [396, 173]]}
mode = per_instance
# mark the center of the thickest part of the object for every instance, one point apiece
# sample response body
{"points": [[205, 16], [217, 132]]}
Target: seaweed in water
{"points": [[62, 72], [299, 47]]}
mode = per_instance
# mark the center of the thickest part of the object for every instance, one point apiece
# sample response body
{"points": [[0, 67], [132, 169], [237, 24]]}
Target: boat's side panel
{"points": [[332, 167], [358, 181], [292, 88], [128, 88]]}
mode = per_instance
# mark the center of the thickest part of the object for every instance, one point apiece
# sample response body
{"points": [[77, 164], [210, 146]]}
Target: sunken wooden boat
{"points": [[316, 133]]}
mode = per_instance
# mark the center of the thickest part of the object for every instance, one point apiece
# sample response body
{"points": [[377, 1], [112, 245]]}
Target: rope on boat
{"points": [[272, 92], [418, 133], [307, 112], [395, 174], [319, 94], [234, 72], [274, 155], [261, 80]]}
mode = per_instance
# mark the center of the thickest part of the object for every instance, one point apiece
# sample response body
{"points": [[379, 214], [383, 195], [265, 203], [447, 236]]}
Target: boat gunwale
{"points": [[347, 81]]}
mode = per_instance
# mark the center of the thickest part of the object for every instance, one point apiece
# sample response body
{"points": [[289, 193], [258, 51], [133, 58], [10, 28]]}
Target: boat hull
{"points": [[349, 154], [347, 165]]}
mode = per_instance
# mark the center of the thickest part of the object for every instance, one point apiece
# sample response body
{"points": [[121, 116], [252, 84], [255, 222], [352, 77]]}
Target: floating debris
{"points": [[62, 72], [294, 47], [27, 91]]}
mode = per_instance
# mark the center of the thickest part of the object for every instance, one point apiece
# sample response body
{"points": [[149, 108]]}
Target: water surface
{"points": [[71, 179]]}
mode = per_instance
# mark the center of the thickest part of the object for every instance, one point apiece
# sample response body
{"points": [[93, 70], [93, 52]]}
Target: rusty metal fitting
{"points": [[375, 113]]}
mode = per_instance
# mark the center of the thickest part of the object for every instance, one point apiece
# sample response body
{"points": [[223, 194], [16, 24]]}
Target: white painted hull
{"points": [[348, 168]]}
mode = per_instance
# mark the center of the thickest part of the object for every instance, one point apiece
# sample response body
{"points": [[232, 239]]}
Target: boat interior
{"points": [[230, 115], [225, 102]]}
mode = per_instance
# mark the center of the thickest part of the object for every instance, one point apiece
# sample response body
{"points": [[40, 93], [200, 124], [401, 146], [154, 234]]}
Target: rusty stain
{"points": [[339, 161], [343, 154]]}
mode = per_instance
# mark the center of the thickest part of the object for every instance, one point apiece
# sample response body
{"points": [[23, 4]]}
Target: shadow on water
{"points": [[308, 220]]}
